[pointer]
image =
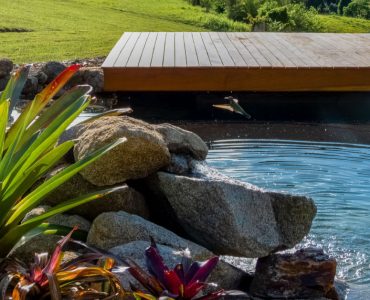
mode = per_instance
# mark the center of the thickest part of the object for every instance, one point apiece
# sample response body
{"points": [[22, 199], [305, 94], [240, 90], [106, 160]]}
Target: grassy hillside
{"points": [[67, 29], [335, 23]]}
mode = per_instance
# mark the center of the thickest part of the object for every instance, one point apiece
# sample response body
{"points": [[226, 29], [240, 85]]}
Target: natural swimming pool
{"points": [[336, 176]]}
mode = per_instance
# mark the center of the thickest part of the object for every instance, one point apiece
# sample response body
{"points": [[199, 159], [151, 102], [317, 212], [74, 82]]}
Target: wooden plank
{"points": [[301, 58], [191, 54], [239, 62], [304, 52], [180, 54], [339, 46], [245, 40], [310, 48], [226, 59], [138, 50], [115, 52], [126, 52], [158, 53], [169, 50], [211, 50], [243, 51], [267, 53], [337, 58], [146, 57], [237, 79], [282, 56], [202, 54], [233, 52]]}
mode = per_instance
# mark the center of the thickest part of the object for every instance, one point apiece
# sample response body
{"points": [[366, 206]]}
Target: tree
{"points": [[342, 4]]}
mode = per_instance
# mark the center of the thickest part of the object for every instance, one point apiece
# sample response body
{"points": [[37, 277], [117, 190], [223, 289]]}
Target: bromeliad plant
{"points": [[185, 281], [28, 149], [88, 276]]}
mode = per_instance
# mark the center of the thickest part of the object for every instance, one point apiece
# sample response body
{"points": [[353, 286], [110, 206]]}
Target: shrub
{"points": [[241, 10], [358, 9]]}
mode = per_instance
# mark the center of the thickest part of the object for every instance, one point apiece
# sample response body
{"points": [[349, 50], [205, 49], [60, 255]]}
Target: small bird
{"points": [[233, 106]]}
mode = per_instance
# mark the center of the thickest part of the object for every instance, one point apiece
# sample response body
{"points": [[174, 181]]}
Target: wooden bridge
{"points": [[233, 61]]}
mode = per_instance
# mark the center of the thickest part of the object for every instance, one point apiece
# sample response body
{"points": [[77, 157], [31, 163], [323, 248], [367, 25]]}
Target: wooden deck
{"points": [[219, 61]]}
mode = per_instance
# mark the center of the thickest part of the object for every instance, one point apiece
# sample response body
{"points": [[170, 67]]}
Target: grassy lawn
{"points": [[67, 29]]}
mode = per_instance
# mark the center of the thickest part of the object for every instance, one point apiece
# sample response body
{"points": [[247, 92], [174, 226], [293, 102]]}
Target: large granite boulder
{"points": [[144, 152], [181, 141], [113, 229], [128, 235], [126, 198], [231, 217], [305, 274], [224, 275]]}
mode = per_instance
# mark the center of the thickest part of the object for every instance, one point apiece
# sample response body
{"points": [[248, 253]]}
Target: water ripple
{"points": [[336, 176]]}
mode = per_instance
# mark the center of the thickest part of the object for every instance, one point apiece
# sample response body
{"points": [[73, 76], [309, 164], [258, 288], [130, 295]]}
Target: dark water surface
{"points": [[336, 176]]}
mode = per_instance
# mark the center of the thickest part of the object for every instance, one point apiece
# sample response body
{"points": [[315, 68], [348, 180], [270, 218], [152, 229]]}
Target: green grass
{"points": [[334, 23], [68, 29]]}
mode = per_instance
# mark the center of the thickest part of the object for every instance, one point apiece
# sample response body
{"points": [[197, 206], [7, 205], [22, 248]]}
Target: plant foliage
{"points": [[88, 276], [28, 149], [185, 281]]}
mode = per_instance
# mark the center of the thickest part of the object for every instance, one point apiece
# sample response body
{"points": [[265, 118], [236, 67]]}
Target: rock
{"points": [[113, 229], [143, 154], [232, 217], [226, 276], [178, 165], [6, 67], [47, 243], [93, 76], [181, 141], [306, 274], [31, 86], [4, 82], [52, 69], [64, 219], [41, 77], [126, 199]]}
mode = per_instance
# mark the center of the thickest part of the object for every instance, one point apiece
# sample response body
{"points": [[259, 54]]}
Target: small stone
{"points": [[306, 274], [6, 67], [181, 141], [41, 77], [92, 76], [31, 87], [143, 153], [52, 69]]}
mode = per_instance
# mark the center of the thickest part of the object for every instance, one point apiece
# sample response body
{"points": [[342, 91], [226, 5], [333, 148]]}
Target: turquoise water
{"points": [[336, 176]]}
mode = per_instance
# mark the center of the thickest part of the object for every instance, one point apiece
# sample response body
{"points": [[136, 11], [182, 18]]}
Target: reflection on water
{"points": [[336, 176]]}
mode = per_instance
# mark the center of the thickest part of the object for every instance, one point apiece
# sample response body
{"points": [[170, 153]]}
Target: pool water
{"points": [[336, 176]]}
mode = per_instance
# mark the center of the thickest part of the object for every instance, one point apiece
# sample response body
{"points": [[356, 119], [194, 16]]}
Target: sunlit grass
{"points": [[335, 23], [80, 29]]}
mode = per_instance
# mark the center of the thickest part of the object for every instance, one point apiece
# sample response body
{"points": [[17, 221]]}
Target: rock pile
{"points": [[43, 73], [172, 195]]}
